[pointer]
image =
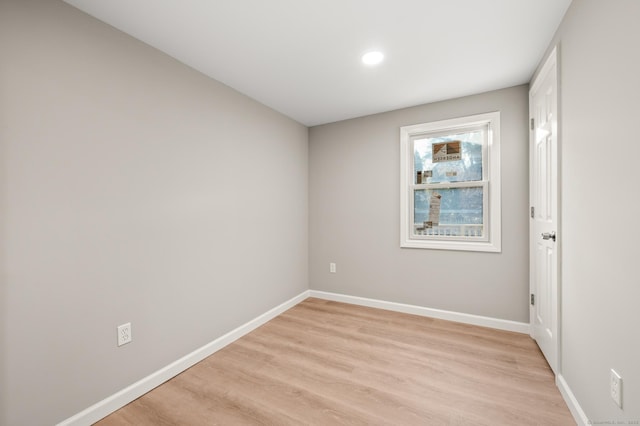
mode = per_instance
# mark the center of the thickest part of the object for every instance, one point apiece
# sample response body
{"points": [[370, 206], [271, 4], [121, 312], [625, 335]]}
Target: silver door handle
{"points": [[549, 236]]}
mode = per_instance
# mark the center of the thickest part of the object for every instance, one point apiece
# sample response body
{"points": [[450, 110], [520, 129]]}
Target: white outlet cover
{"points": [[124, 334], [616, 388]]}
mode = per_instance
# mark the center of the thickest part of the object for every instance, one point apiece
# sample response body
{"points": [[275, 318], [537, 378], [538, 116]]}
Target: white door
{"points": [[544, 238]]}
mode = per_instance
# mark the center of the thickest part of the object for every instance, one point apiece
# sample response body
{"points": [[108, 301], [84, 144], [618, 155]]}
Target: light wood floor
{"points": [[329, 363]]}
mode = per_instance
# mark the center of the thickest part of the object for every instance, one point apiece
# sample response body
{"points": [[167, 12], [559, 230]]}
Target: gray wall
{"points": [[355, 214], [133, 189], [600, 106]]}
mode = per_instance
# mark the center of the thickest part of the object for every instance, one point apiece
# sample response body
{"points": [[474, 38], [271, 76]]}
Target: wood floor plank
{"points": [[330, 363]]}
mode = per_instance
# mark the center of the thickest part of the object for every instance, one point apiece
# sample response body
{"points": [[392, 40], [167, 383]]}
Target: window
{"points": [[450, 184]]}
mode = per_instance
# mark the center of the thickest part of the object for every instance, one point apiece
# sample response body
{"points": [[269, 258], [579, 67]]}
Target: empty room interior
{"points": [[337, 212]]}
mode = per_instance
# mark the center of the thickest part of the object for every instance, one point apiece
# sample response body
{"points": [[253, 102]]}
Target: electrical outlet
{"points": [[124, 334], [332, 268], [616, 387]]}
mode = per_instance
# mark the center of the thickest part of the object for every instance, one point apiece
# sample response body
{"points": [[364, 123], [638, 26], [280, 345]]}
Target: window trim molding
{"points": [[493, 243]]}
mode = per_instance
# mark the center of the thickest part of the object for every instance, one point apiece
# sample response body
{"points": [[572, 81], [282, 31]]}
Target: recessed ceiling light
{"points": [[372, 58]]}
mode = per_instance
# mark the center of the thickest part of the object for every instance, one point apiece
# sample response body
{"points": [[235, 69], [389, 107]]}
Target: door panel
{"points": [[543, 105]]}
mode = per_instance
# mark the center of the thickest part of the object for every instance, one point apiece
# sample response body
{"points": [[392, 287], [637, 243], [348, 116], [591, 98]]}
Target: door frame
{"points": [[553, 58]]}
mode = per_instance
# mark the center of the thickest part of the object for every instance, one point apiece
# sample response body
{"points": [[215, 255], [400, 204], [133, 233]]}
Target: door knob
{"points": [[549, 236]]}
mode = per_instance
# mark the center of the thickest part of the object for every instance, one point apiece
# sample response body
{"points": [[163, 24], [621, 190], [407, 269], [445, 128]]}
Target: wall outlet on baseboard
{"points": [[332, 268], [124, 334], [616, 387]]}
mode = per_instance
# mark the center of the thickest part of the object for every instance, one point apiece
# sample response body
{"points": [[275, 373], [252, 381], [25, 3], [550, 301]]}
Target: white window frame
{"points": [[491, 241]]}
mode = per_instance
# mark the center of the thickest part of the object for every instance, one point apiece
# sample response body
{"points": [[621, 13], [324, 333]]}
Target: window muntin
{"points": [[450, 184]]}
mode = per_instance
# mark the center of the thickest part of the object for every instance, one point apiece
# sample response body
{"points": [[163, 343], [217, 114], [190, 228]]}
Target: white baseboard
{"points": [[120, 399], [500, 324], [576, 410]]}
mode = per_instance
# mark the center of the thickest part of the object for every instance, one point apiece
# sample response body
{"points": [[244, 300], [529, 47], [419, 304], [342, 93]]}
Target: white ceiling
{"points": [[302, 57]]}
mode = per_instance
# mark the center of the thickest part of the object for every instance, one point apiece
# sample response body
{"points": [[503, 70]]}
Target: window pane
{"points": [[450, 212], [449, 158]]}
